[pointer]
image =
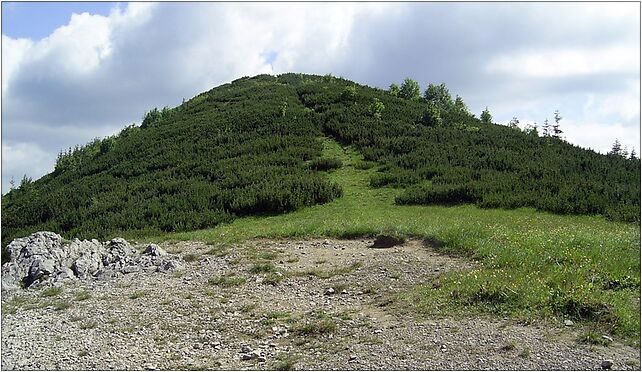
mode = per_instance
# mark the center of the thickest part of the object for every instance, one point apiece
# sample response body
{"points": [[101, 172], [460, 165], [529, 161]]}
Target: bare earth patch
{"points": [[321, 304]]}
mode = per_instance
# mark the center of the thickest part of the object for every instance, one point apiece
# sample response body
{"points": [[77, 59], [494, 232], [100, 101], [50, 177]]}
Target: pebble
{"points": [[606, 364], [568, 322]]}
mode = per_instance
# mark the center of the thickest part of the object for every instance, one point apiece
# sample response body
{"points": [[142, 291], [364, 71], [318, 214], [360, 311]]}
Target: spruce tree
{"points": [[486, 117], [616, 149], [547, 128], [556, 127], [461, 106]]}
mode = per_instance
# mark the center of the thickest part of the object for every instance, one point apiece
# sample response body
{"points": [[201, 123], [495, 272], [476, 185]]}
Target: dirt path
{"points": [[278, 305]]}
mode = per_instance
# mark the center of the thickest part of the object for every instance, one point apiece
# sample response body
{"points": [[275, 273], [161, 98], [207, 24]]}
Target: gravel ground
{"points": [[309, 305]]}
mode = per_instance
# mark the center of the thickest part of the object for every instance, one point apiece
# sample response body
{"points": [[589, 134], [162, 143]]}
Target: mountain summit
{"points": [[253, 147]]}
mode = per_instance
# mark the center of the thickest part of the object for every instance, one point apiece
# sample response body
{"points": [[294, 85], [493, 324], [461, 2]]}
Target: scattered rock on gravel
{"points": [[155, 320]]}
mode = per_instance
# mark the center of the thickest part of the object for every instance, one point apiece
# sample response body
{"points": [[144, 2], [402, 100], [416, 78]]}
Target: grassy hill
{"points": [[554, 227]]}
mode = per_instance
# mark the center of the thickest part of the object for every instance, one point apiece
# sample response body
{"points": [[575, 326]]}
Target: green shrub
{"points": [[227, 281], [315, 327], [325, 164], [263, 268]]}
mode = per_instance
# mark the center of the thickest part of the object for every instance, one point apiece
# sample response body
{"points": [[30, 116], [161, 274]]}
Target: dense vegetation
{"points": [[442, 154], [242, 148], [252, 147]]}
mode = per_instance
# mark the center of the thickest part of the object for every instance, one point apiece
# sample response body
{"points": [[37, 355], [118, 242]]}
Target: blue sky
{"points": [[36, 20], [75, 71]]}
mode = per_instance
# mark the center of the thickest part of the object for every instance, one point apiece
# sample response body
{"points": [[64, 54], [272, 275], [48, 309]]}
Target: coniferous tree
{"points": [[439, 96], [514, 123], [431, 116], [616, 149], [556, 127], [531, 129], [633, 154], [410, 90], [25, 182], [394, 90], [547, 128], [461, 106], [376, 108], [486, 117]]}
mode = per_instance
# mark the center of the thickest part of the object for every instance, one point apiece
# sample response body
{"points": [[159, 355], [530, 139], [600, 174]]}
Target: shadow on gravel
{"points": [[433, 243], [387, 241]]}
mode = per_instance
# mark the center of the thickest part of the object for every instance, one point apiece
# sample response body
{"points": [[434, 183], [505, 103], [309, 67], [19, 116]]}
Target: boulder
{"points": [[119, 252], [606, 364], [170, 265], [42, 266], [87, 264], [44, 257], [31, 260], [154, 250]]}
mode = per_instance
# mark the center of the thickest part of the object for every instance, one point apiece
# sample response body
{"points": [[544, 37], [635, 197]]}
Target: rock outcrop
{"points": [[45, 258]]}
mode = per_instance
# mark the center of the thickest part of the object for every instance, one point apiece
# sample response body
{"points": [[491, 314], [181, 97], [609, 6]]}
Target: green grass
{"points": [[285, 362], [61, 305], [82, 296], [593, 338], [217, 252], [191, 257], [314, 328], [136, 295], [531, 264], [88, 325], [227, 281], [51, 292], [326, 274], [263, 268]]}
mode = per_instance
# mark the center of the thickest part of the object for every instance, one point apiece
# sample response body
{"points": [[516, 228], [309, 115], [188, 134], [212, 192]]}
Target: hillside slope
{"points": [[252, 147]]}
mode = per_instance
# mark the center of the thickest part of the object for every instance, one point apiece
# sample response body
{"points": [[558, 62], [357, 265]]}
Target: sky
{"points": [[75, 71]]}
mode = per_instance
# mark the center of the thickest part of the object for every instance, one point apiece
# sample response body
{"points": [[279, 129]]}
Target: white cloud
{"points": [[599, 136], [19, 157], [13, 53], [624, 104], [564, 62], [99, 73]]}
